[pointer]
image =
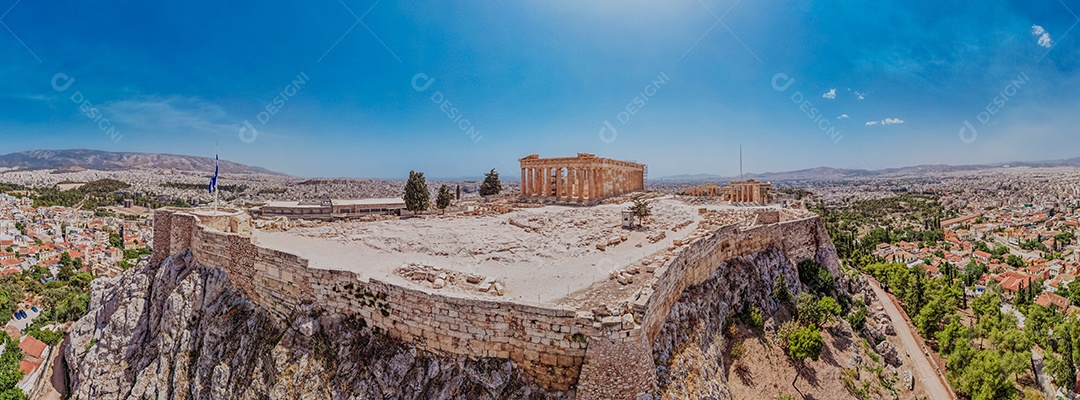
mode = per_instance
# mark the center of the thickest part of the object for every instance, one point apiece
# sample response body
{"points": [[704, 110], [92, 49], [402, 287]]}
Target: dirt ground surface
{"points": [[764, 372], [540, 255]]}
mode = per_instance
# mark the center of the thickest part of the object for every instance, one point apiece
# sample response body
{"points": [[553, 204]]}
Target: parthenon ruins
{"points": [[579, 179]]}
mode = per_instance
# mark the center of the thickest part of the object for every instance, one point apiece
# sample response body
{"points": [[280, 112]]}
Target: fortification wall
{"points": [[547, 344], [605, 377], [557, 348]]}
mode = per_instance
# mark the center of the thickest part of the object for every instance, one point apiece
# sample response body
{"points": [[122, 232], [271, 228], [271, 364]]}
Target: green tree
{"points": [[942, 298], [66, 267], [829, 306], [953, 333], [816, 277], [81, 280], [116, 241], [48, 336], [7, 305], [491, 186], [987, 305], [443, 199], [416, 193], [857, 315], [10, 375], [802, 344], [1039, 320], [780, 290], [641, 209], [982, 378]]}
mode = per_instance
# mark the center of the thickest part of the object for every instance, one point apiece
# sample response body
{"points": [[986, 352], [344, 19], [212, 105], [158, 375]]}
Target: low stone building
{"points": [[329, 209], [739, 192]]}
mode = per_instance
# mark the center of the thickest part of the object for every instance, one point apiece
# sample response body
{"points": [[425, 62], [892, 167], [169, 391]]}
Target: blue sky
{"points": [[895, 81]]}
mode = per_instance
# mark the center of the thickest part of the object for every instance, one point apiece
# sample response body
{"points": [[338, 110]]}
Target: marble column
{"points": [[529, 181], [581, 185], [577, 184], [544, 179], [555, 181], [532, 181], [535, 181], [592, 184], [569, 184], [524, 188]]}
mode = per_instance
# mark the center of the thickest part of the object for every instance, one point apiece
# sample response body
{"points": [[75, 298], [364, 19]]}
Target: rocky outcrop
{"points": [[181, 330], [689, 351]]}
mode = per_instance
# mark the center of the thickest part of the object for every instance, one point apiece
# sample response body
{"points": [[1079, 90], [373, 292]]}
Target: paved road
{"points": [[924, 370]]}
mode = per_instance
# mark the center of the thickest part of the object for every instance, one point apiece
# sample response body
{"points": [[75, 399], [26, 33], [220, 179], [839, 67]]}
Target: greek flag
{"points": [[213, 181]]}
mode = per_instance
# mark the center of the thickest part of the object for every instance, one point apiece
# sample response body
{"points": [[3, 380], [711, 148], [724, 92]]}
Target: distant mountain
{"points": [[827, 173], [76, 159], [692, 177]]}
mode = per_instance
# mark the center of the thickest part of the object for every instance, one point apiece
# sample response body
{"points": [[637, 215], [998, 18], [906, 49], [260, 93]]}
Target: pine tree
{"points": [[491, 185], [416, 193], [443, 199]]}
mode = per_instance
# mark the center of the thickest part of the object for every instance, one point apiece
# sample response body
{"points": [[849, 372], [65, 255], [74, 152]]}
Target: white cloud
{"points": [[860, 96], [843, 116], [1044, 39], [170, 112], [886, 121], [831, 94]]}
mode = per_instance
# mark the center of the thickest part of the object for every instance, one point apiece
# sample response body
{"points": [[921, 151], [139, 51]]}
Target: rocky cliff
{"points": [[260, 323], [182, 330]]}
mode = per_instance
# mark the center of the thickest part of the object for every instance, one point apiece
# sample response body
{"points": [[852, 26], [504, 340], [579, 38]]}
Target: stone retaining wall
{"points": [[557, 348], [547, 344]]}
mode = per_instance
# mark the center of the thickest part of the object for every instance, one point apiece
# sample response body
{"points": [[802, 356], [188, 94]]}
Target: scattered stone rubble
{"points": [[627, 274], [612, 242], [439, 278]]}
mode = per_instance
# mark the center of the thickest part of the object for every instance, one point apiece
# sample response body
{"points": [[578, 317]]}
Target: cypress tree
{"points": [[416, 193]]}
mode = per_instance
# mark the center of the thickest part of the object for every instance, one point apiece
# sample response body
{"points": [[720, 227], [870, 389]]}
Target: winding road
{"points": [[924, 370]]}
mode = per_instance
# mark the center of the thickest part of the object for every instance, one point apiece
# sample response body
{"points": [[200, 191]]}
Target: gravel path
{"points": [[924, 369]]}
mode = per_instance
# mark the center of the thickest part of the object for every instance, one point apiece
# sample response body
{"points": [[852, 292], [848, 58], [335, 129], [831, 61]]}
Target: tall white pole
{"points": [[215, 179]]}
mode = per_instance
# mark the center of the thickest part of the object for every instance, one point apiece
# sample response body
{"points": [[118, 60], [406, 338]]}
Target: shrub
{"points": [[757, 320], [737, 351]]}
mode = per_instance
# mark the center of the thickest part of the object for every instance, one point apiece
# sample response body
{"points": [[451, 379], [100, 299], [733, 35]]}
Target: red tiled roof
{"points": [[32, 347], [1049, 299], [28, 366]]}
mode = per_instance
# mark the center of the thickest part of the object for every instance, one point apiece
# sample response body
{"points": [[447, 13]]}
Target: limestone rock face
{"points": [[888, 352], [697, 319], [180, 330]]}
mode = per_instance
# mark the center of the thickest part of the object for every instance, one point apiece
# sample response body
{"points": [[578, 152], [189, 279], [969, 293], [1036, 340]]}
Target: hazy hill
{"points": [[115, 161], [828, 173]]}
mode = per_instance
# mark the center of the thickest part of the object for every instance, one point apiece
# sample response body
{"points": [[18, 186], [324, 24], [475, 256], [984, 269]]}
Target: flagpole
{"points": [[215, 179]]}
